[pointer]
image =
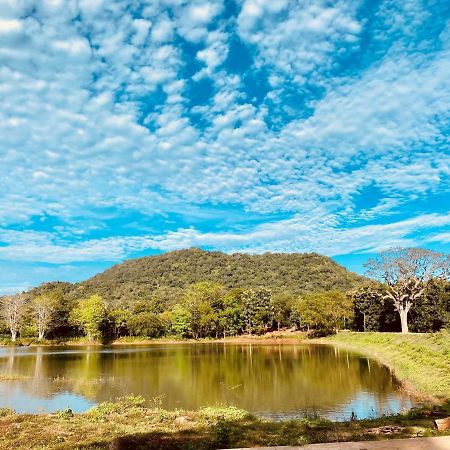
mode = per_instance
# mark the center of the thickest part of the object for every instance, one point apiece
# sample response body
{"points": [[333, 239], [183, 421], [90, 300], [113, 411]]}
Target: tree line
{"points": [[409, 291], [206, 309]]}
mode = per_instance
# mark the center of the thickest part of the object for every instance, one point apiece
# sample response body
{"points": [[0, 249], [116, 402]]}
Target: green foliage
{"points": [[429, 313], [204, 301], [224, 412], [199, 294], [230, 318], [65, 414], [180, 321], [257, 310], [146, 324], [165, 276], [282, 309], [120, 318], [102, 411], [6, 412], [325, 311], [89, 314], [369, 307]]}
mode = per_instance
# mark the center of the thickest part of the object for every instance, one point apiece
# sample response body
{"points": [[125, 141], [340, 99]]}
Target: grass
{"points": [[128, 424], [420, 361]]}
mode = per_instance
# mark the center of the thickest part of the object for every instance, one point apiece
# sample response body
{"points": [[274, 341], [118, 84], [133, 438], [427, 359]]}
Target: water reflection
{"points": [[275, 381]]}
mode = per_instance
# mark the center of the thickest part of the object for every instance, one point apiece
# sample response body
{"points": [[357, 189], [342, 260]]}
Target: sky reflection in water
{"points": [[275, 381]]}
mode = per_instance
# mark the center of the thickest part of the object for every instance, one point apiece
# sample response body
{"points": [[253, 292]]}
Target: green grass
{"points": [[128, 424], [420, 361]]}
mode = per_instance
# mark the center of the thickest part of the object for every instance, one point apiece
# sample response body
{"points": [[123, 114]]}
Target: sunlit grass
{"points": [[420, 361], [127, 423]]}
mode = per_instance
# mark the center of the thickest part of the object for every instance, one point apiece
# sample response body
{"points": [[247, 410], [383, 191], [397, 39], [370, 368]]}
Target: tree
{"points": [[89, 315], [257, 310], [282, 307], [146, 324], [204, 301], [43, 307], [120, 318], [13, 310], [59, 325], [407, 272], [431, 312], [325, 312], [231, 321], [368, 305], [180, 321]]}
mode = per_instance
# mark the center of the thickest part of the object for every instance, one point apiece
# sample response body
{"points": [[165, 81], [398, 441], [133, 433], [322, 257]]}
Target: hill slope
{"points": [[282, 272]]}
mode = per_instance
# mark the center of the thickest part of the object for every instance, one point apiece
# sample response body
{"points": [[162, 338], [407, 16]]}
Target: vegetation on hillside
{"points": [[169, 273], [127, 302]]}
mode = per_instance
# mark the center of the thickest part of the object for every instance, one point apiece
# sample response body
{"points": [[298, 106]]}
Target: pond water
{"points": [[276, 381]]}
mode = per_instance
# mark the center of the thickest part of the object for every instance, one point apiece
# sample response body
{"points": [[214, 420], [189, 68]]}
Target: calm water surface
{"points": [[274, 381]]}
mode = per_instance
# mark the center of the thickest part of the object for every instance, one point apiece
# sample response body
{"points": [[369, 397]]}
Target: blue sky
{"points": [[131, 128]]}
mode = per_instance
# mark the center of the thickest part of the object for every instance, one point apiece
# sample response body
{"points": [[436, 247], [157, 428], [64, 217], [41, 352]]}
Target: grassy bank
{"points": [[420, 361], [128, 424]]}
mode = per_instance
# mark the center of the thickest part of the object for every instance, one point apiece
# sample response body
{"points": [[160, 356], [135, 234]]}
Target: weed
{"points": [[6, 412], [64, 414]]}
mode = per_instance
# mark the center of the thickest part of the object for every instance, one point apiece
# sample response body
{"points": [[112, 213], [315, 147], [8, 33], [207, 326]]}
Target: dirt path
{"points": [[435, 443]]}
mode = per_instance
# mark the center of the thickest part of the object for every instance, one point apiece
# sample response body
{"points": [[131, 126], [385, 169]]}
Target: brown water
{"points": [[275, 381]]}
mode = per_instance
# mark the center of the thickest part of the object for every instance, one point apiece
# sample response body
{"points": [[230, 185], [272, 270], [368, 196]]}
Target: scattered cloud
{"points": [[285, 112]]}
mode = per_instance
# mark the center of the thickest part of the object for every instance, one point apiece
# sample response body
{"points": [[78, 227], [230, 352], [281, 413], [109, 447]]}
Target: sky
{"points": [[132, 128]]}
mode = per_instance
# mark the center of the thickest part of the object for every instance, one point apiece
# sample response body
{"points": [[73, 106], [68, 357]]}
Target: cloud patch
{"points": [[114, 109]]}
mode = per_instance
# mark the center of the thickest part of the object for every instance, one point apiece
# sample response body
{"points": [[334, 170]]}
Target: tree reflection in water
{"points": [[271, 380]]}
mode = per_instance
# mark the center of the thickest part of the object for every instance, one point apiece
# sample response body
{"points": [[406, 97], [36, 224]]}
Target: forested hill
{"points": [[282, 272]]}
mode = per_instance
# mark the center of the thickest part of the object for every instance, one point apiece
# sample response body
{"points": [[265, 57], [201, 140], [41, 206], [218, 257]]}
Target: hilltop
{"points": [[295, 273]]}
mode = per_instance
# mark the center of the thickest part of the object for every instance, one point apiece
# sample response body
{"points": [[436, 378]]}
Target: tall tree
{"points": [[368, 304], [231, 320], [13, 310], [282, 308], [180, 319], [257, 310], [43, 307], [204, 301], [89, 315], [407, 272]]}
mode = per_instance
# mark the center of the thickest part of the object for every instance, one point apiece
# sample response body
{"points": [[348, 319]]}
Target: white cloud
{"points": [[299, 38], [163, 30], [94, 115], [10, 26], [300, 234], [194, 17], [75, 47]]}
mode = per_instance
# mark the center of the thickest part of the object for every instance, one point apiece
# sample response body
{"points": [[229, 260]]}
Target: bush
{"points": [[146, 324]]}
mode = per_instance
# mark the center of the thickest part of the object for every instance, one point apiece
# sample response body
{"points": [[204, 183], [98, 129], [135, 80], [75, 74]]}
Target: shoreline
{"points": [[127, 423], [269, 338], [405, 385], [211, 427], [283, 338], [383, 356]]}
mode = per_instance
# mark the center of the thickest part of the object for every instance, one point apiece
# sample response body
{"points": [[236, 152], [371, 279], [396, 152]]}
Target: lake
{"points": [[275, 381]]}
